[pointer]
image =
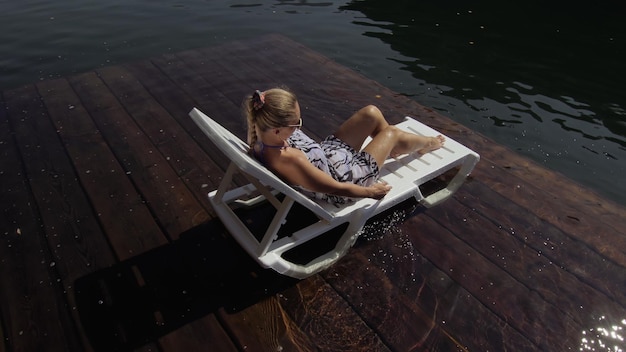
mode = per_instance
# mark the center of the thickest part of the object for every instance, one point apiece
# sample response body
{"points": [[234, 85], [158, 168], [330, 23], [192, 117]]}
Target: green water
{"points": [[542, 78]]}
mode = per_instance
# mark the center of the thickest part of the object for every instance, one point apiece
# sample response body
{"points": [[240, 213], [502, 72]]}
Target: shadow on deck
{"points": [[139, 300]]}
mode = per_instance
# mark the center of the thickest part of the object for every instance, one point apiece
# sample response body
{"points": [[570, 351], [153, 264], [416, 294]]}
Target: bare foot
{"points": [[433, 144]]}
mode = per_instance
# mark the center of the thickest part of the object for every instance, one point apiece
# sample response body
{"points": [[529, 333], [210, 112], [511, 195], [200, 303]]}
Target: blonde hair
{"points": [[273, 108]]}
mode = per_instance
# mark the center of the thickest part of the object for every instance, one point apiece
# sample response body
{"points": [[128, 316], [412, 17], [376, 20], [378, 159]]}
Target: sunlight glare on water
{"points": [[607, 336]]}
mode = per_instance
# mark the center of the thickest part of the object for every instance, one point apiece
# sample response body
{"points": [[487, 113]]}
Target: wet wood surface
{"points": [[109, 243]]}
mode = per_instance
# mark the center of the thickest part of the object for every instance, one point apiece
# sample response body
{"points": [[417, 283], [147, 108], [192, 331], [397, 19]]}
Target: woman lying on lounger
{"points": [[334, 170]]}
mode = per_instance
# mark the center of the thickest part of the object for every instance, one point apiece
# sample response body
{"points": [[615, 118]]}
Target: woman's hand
{"points": [[379, 190]]}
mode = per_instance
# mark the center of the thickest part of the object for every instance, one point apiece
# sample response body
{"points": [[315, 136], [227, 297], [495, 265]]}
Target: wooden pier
{"points": [[108, 242]]}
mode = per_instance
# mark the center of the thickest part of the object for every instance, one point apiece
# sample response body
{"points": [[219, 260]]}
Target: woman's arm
{"points": [[294, 167]]}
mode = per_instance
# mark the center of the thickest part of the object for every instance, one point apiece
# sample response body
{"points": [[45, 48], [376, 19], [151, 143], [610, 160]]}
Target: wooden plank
{"points": [[384, 309], [519, 305], [580, 269], [251, 76], [509, 250], [170, 95], [200, 335], [568, 198], [327, 319], [150, 347], [184, 156], [460, 311], [577, 301], [324, 114], [73, 233], [395, 279], [335, 90], [220, 69], [236, 287], [582, 221], [204, 96], [265, 326], [165, 91], [214, 79], [217, 276], [210, 90], [166, 196], [173, 291], [104, 180], [3, 346], [34, 315], [211, 84], [385, 247]]}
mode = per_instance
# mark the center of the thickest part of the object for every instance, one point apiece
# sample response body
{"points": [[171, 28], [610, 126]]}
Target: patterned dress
{"points": [[336, 158]]}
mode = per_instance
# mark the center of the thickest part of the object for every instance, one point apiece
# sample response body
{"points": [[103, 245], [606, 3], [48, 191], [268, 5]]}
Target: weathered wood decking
{"points": [[108, 241]]}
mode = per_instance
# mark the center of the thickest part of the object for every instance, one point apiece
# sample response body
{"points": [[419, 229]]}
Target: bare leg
{"points": [[367, 122], [386, 139], [393, 141], [433, 143]]}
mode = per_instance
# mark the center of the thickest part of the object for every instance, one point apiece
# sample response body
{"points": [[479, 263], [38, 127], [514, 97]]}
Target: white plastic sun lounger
{"points": [[404, 173]]}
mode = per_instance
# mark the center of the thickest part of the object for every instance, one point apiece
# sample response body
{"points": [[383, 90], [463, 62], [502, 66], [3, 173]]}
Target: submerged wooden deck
{"points": [[108, 242]]}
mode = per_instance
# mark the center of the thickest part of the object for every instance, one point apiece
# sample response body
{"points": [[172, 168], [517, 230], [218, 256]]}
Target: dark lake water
{"points": [[544, 78]]}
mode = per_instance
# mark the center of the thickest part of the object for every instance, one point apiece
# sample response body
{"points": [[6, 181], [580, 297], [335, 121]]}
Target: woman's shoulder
{"points": [[288, 163], [285, 156], [293, 155]]}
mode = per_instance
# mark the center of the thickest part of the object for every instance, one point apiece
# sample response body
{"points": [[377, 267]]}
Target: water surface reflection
{"points": [[540, 78], [607, 336]]}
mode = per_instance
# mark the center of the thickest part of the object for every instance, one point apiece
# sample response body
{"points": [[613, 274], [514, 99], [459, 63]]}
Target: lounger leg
{"points": [[264, 191], [468, 165], [226, 182], [277, 222]]}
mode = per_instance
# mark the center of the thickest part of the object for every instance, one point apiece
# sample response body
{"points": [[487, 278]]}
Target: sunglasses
{"points": [[299, 125]]}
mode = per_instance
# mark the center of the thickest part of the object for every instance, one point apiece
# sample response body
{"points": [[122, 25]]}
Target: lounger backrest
{"points": [[237, 151]]}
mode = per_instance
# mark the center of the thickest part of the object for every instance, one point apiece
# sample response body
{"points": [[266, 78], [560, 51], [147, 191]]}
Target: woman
{"points": [[334, 170]]}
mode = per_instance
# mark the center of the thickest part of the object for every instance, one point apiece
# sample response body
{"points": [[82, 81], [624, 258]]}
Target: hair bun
{"points": [[258, 99]]}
